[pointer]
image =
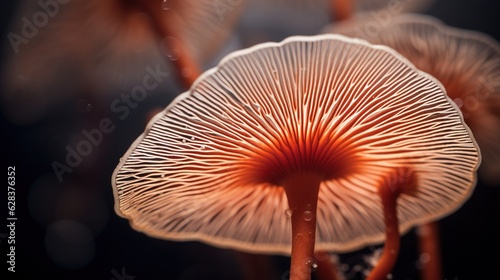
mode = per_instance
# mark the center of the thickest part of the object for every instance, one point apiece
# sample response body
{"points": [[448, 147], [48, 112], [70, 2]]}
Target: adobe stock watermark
{"points": [[121, 276], [381, 18], [30, 27], [120, 106], [487, 86], [221, 7]]}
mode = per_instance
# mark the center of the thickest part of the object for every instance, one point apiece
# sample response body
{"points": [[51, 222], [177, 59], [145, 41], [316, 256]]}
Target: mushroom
{"points": [[104, 46], [468, 65], [193, 30], [466, 62], [296, 137]]}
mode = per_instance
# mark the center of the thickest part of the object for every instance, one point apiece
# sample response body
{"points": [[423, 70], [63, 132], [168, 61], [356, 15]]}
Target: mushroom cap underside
{"points": [[208, 167]]}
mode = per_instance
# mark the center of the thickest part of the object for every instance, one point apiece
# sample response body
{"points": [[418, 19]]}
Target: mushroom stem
{"points": [[428, 237], [187, 68], [341, 9], [400, 180], [302, 193], [327, 269]]}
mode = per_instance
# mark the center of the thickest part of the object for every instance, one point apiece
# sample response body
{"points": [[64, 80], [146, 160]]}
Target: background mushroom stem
{"points": [[302, 193], [430, 254], [341, 9], [400, 180], [327, 269], [188, 69]]}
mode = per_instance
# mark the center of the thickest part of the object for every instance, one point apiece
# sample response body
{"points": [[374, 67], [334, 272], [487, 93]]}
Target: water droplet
{"points": [[308, 206], [84, 106], [257, 107], [169, 48], [202, 147], [308, 215], [424, 258], [184, 140], [163, 175], [389, 276], [288, 213], [314, 266], [311, 263], [344, 267], [459, 102], [192, 138], [164, 5], [224, 115]]}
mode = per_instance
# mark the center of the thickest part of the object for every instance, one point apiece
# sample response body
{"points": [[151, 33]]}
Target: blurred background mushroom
{"points": [[102, 47], [465, 61], [275, 20], [306, 126], [36, 139], [468, 65]]}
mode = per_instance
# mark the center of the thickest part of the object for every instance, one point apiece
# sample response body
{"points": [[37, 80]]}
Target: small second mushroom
{"points": [[299, 137]]}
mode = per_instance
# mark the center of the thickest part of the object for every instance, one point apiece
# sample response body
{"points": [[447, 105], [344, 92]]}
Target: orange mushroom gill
{"points": [[308, 126]]}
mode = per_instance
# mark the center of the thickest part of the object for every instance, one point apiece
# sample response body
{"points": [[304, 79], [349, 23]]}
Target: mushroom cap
{"points": [[466, 62], [205, 25], [209, 166], [101, 44]]}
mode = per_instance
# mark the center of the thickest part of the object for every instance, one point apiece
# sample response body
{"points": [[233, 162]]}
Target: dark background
{"points": [[69, 230]]}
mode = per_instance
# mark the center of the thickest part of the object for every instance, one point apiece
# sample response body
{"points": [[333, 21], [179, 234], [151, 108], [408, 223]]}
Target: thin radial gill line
{"points": [[253, 231], [243, 207], [363, 106], [273, 133], [266, 132], [333, 76], [353, 199], [288, 56], [368, 74], [253, 124], [362, 73], [394, 127], [217, 91], [305, 111], [208, 110], [282, 109], [281, 89], [366, 185], [345, 88], [323, 80], [313, 87], [309, 79], [416, 109], [253, 80], [359, 79], [242, 80], [342, 96]]}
